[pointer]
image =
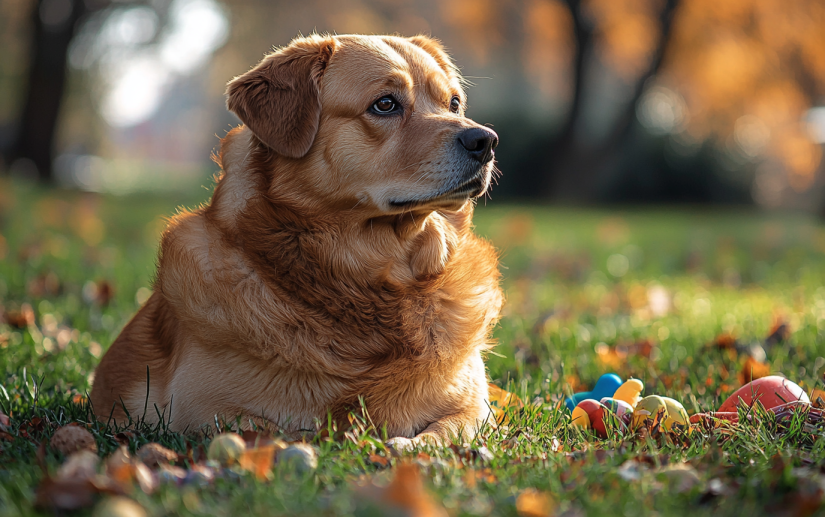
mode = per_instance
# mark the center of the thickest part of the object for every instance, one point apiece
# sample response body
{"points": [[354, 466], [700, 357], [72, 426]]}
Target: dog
{"points": [[335, 266]]}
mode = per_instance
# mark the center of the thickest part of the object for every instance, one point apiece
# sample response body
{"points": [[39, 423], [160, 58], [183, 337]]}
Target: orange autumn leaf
{"points": [[407, 492], [532, 503], [380, 461], [753, 369], [500, 400], [473, 476], [818, 398], [258, 460]]}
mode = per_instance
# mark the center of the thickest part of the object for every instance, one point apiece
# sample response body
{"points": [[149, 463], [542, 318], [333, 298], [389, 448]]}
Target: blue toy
{"points": [[606, 386]]}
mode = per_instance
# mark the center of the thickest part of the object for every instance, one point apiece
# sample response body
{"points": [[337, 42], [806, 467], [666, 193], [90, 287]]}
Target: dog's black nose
{"points": [[479, 142]]}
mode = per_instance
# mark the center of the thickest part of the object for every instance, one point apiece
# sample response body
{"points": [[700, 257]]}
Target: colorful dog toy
{"points": [[606, 386]]}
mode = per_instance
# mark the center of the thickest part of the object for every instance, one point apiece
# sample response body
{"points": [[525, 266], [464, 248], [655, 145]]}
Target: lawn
{"points": [[691, 301]]}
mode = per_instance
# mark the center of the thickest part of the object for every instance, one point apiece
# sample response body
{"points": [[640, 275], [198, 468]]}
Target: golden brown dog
{"points": [[336, 259]]}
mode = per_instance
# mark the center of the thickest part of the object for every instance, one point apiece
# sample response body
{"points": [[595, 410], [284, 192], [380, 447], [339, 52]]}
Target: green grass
{"points": [[580, 284]]}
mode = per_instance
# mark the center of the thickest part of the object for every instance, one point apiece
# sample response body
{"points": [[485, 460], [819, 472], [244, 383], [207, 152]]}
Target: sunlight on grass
{"points": [[692, 302]]}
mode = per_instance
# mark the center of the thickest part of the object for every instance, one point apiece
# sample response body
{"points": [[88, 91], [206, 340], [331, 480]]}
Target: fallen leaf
{"points": [[258, 460], [22, 318], [473, 476], [407, 491], [124, 437], [76, 484], [778, 333], [81, 465], [532, 503], [124, 470], [753, 369], [154, 454], [379, 461], [725, 342], [818, 398], [500, 400]]}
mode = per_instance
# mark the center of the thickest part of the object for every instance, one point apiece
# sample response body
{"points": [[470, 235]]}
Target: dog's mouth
{"points": [[472, 188]]}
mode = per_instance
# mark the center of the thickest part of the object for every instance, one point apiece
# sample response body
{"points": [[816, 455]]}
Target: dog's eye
{"points": [[386, 104], [455, 104]]}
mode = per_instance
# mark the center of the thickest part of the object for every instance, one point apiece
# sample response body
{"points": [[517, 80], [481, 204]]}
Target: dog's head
{"points": [[373, 122]]}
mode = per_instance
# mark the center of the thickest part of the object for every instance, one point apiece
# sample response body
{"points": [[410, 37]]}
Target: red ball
{"points": [[602, 420], [770, 391], [590, 407]]}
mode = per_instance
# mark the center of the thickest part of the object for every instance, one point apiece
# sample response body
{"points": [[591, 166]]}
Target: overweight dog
{"points": [[335, 264]]}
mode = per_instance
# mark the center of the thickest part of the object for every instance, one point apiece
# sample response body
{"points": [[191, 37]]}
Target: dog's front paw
{"points": [[400, 445]]}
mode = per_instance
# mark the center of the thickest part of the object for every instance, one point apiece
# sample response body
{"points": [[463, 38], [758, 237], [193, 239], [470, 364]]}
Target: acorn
{"points": [[72, 438], [226, 449], [154, 454], [118, 507], [300, 456]]}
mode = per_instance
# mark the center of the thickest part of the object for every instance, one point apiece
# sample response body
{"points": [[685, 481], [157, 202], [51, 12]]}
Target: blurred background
{"points": [[596, 101]]}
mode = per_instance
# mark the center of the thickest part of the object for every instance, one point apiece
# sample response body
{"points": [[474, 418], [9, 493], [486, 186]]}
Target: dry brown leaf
{"points": [[81, 465], [124, 470], [379, 461], [22, 318], [818, 398], [119, 466], [124, 437], [76, 483], [153, 454], [65, 495]]}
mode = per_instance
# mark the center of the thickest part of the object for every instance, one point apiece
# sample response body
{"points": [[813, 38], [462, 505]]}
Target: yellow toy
{"points": [[630, 392]]}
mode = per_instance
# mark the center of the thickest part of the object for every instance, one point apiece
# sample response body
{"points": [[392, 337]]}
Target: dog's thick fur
{"points": [[310, 280]]}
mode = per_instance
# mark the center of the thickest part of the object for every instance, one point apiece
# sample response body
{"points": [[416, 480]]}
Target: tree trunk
{"points": [[53, 26], [574, 172], [559, 147]]}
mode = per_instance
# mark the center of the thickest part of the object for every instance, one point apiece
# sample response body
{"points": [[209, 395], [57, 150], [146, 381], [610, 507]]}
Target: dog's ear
{"points": [[434, 48], [279, 99]]}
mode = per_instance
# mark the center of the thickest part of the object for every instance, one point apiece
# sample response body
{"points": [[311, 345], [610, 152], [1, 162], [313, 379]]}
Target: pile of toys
{"points": [[615, 406]]}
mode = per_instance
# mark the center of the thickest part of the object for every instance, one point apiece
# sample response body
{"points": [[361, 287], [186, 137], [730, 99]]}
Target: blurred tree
{"points": [[54, 23], [730, 79], [629, 35], [747, 72], [584, 92]]}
